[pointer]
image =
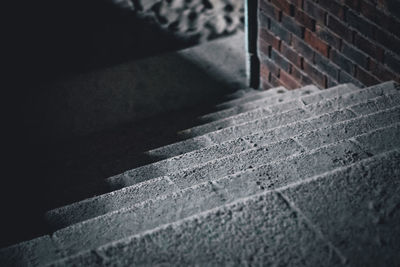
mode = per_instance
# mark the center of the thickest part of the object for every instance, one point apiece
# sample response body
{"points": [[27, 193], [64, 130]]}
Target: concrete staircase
{"points": [[283, 178]]}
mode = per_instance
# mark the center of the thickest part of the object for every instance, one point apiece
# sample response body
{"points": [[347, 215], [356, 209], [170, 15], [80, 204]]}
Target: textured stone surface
{"points": [[330, 227], [314, 97], [324, 106], [247, 92], [150, 214], [357, 210], [262, 230], [260, 108], [316, 185], [268, 98]]}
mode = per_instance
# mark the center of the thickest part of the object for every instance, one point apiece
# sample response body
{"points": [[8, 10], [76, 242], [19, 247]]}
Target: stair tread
{"points": [[162, 181], [268, 101], [342, 140], [264, 95], [195, 215], [214, 137], [242, 93], [270, 215], [259, 110]]}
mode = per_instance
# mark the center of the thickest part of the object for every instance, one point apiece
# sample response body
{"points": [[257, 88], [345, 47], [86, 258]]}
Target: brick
{"points": [[288, 80], [368, 47], [340, 60], [365, 77], [275, 81], [339, 28], [316, 43], [326, 66], [265, 72], [362, 25], [280, 31], [291, 55], [264, 49], [272, 67], [315, 74], [271, 39], [353, 4], [387, 23], [354, 54], [269, 10], [324, 34], [392, 6], [393, 62], [302, 48], [344, 77], [265, 85], [300, 76], [290, 24], [393, 26], [333, 7], [280, 61], [389, 41], [297, 3], [304, 19], [313, 10], [283, 5], [380, 71]]}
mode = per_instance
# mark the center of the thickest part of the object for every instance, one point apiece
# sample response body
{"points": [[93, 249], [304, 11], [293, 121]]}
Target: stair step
{"points": [[151, 214], [247, 112], [273, 120], [312, 136], [311, 223], [96, 206], [285, 103], [249, 92], [268, 97], [261, 109]]}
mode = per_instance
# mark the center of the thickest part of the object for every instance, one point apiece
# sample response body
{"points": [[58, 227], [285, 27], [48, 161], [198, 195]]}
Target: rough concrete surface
{"points": [[268, 229], [315, 185]]}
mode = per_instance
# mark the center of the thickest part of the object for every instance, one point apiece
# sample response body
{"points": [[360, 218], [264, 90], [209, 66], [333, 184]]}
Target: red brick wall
{"points": [[327, 42]]}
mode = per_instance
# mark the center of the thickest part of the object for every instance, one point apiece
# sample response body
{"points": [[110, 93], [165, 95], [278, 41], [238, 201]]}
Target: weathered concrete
{"points": [[262, 230], [260, 108], [192, 240], [357, 210], [282, 95], [338, 142], [145, 216], [289, 116], [247, 92], [219, 115]]}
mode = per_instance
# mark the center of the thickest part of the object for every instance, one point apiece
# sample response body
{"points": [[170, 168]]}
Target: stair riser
{"points": [[288, 101], [270, 100], [277, 92], [266, 214], [332, 104], [115, 226], [244, 93], [334, 93], [101, 205]]}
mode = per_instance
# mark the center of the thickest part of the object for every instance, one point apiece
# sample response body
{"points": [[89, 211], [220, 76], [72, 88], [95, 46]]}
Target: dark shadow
{"points": [[53, 39], [45, 174]]}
